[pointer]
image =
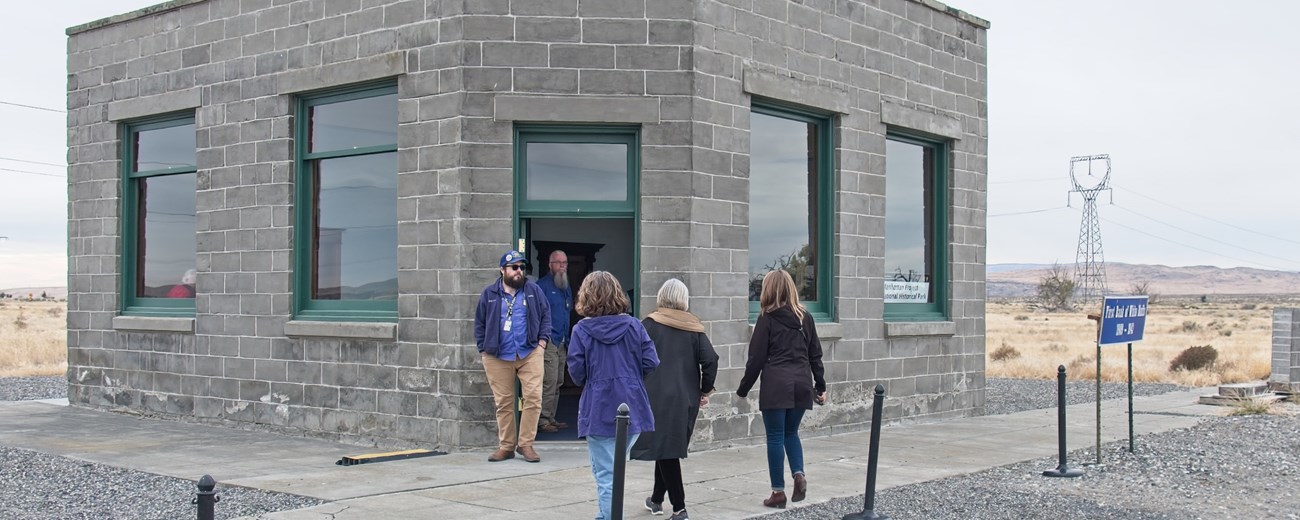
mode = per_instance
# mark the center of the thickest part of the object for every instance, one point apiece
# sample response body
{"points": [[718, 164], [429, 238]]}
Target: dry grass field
{"points": [[33, 338], [1025, 343], [1022, 342]]}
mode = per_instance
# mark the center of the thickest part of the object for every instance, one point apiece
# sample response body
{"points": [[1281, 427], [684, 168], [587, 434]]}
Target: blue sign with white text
{"points": [[1123, 319]]}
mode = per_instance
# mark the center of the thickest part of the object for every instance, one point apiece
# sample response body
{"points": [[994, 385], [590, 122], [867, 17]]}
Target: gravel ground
{"points": [[35, 485], [1225, 467], [31, 388]]}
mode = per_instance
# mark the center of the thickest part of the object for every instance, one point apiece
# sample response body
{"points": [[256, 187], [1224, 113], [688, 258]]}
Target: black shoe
{"points": [[680, 515], [655, 508]]}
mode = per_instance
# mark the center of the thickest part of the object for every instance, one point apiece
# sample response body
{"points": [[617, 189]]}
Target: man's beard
{"points": [[561, 279], [513, 282]]}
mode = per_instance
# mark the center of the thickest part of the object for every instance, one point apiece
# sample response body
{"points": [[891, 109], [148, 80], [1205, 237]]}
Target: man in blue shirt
{"points": [[510, 332], [559, 296]]}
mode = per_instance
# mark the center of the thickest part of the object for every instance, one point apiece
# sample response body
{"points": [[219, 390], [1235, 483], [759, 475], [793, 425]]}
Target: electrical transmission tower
{"points": [[1089, 262]]}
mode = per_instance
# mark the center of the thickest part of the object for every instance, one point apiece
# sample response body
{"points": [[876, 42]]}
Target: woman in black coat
{"points": [[688, 366], [786, 352]]}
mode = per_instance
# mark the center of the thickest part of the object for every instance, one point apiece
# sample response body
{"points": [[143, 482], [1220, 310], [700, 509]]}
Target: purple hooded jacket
{"points": [[610, 356]]}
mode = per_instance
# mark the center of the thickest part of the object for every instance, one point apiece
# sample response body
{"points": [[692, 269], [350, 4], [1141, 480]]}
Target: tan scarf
{"points": [[676, 319]]}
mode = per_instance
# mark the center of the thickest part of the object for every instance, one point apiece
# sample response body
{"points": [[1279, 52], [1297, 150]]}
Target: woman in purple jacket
{"points": [[610, 355]]}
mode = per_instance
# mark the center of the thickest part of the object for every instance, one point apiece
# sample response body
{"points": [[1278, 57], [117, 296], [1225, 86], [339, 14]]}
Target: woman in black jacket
{"points": [[681, 385], [786, 352]]}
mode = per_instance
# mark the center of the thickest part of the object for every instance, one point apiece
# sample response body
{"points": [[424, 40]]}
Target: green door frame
{"points": [[579, 209]]}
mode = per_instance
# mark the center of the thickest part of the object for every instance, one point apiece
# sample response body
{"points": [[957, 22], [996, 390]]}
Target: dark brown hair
{"points": [[601, 295]]}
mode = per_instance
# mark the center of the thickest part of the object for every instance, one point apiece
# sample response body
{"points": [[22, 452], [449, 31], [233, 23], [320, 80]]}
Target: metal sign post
{"points": [[1123, 320]]}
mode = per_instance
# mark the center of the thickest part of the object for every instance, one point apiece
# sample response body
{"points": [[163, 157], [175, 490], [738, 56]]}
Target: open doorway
{"points": [[591, 244]]}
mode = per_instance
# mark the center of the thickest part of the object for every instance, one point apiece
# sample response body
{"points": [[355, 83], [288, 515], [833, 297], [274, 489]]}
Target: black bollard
{"points": [[1061, 470], [207, 498], [620, 462], [869, 510]]}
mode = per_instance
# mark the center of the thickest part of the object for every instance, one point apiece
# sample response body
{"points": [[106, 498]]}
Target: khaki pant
{"points": [[501, 376], [552, 380]]}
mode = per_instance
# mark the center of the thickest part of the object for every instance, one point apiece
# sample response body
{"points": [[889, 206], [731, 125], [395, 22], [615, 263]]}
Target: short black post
{"points": [[869, 510], [207, 498], [1062, 470], [620, 462]]}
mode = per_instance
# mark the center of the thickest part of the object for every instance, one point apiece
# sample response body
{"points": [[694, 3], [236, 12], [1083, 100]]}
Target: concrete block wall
{"points": [[677, 69], [895, 61], [1285, 375], [237, 67]]}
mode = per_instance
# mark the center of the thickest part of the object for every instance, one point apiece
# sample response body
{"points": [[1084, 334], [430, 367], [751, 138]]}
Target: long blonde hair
{"points": [[601, 295], [779, 291]]}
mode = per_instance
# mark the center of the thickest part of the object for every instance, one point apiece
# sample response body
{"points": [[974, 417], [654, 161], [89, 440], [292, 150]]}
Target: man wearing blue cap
{"points": [[512, 328]]}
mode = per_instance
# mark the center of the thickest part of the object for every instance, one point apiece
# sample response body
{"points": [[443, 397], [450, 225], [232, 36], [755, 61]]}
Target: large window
{"points": [[347, 205], [158, 266], [790, 194], [915, 228], [583, 169]]}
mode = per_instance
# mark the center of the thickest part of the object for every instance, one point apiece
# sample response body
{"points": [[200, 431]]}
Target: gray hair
{"points": [[674, 295]]}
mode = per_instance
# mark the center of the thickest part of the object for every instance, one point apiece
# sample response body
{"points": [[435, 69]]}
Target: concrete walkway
{"points": [[720, 484]]}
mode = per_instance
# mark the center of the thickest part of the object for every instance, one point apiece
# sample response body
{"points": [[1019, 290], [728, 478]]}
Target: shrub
{"points": [[1022, 317], [1194, 358], [1249, 406], [1055, 290], [1247, 306], [20, 322], [1004, 353], [1189, 326]]}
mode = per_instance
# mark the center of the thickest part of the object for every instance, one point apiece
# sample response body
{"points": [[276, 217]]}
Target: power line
{"points": [[1192, 247], [1212, 239], [1025, 181], [32, 162], [32, 173], [1193, 213], [32, 107], [1032, 211]]}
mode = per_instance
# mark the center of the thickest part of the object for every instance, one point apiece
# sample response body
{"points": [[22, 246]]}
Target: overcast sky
{"points": [[1194, 101]]}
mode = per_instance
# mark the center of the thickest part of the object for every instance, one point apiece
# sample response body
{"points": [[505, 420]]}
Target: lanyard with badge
{"points": [[510, 312]]}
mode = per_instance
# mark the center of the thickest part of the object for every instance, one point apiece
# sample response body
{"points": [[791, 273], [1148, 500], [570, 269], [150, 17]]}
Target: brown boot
{"points": [[777, 500], [500, 455], [800, 488], [528, 454]]}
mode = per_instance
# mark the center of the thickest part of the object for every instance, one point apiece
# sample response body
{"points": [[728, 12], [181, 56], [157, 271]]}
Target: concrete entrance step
{"points": [[1239, 393]]}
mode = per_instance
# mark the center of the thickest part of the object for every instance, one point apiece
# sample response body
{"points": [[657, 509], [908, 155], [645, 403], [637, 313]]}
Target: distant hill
{"points": [[52, 292], [1020, 280]]}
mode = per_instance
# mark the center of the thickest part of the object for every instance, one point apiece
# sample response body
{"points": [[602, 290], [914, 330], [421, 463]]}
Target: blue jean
{"points": [[782, 427], [601, 450]]}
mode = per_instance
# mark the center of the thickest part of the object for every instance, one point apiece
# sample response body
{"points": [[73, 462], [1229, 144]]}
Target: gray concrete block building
{"points": [[282, 212]]}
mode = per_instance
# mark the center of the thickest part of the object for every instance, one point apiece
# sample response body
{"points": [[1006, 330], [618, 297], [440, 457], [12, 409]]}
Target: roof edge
{"points": [[126, 17], [955, 12]]}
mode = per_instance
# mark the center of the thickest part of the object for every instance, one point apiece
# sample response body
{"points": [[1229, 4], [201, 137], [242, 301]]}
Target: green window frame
{"points": [[309, 165], [525, 135], [934, 183], [820, 138], [136, 220]]}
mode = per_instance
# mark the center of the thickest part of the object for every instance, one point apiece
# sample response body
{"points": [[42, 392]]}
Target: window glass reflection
{"points": [[908, 221], [164, 148], [165, 238], [355, 244], [357, 123], [576, 171], [782, 202]]}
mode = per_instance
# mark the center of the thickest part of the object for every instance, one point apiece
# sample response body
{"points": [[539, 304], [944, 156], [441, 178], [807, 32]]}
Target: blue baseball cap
{"points": [[513, 257]]}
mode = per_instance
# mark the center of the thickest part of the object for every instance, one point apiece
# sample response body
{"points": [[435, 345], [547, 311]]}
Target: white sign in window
{"points": [[907, 292]]}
